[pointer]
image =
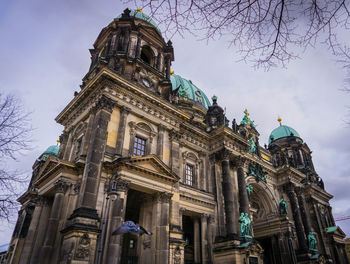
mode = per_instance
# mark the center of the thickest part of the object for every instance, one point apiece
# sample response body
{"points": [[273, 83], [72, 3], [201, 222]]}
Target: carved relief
{"points": [[83, 250], [177, 255]]}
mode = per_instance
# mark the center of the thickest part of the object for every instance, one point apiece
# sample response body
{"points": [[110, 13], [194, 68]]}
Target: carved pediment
{"points": [[150, 165]]}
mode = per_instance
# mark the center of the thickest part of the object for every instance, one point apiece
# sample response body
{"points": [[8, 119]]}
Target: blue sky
{"points": [[44, 55]]}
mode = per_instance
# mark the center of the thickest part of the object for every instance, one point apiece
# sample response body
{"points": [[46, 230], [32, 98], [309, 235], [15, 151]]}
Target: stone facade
{"points": [[182, 174]]}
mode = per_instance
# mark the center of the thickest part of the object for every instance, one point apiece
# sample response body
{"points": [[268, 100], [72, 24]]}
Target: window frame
{"points": [[189, 177], [137, 142]]}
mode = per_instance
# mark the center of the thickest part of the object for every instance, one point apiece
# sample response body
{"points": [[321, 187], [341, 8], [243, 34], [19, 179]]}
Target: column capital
{"points": [[105, 103], [122, 185], [124, 110], [224, 154], [61, 186], [161, 127], [289, 187], [163, 197], [174, 135], [211, 218], [240, 161], [204, 216]]}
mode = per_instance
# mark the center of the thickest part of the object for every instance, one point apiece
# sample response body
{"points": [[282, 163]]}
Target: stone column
{"points": [[167, 62], [118, 217], [228, 192], [91, 176], [164, 228], [305, 213], [124, 111], [174, 137], [52, 225], [68, 146], [85, 143], [160, 141], [138, 46], [196, 235], [29, 240], [297, 217], [285, 248], [211, 235], [242, 189], [40, 233], [204, 236], [217, 190]]}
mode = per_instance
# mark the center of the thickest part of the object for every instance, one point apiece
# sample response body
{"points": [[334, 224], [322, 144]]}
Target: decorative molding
{"points": [[105, 103], [122, 185]]}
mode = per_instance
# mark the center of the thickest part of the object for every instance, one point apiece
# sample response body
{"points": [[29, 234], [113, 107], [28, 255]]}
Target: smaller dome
{"points": [[281, 132], [140, 15], [188, 90], [52, 150]]}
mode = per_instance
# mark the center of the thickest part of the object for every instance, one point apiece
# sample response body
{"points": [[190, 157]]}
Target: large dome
{"points": [[281, 132], [188, 90], [52, 150], [140, 15]]}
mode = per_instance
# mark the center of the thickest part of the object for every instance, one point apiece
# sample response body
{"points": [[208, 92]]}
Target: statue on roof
{"points": [[252, 148], [246, 120]]}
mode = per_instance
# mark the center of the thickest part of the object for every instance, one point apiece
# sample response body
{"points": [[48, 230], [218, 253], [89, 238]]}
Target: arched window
{"points": [[147, 55]]}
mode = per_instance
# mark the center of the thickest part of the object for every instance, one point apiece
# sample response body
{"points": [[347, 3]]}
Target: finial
{"points": [[171, 72], [139, 10], [214, 98], [279, 120], [58, 141], [246, 112]]}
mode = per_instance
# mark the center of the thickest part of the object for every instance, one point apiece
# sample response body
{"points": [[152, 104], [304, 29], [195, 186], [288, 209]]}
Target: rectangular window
{"points": [[189, 174], [139, 147]]}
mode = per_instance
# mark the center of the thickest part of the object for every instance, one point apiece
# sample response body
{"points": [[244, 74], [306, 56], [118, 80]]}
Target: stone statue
{"points": [[312, 241], [245, 224], [252, 148], [249, 189], [283, 207], [234, 125]]}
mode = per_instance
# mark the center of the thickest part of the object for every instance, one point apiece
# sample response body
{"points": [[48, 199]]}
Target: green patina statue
{"points": [[252, 148], [283, 207], [249, 189], [245, 225], [246, 120], [312, 241], [257, 171]]}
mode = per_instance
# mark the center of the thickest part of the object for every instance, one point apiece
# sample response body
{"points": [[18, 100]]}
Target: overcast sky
{"points": [[44, 55]]}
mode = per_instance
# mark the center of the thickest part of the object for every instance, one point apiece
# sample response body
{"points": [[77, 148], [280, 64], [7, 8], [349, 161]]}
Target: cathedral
{"points": [[143, 146]]}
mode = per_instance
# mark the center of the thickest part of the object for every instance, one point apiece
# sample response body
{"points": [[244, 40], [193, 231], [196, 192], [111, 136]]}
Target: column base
{"points": [[237, 251], [80, 237]]}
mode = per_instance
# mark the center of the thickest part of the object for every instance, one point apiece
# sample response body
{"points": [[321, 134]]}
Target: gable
{"points": [[150, 165]]}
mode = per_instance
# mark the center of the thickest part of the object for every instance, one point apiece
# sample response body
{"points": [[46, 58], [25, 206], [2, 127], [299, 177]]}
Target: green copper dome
{"points": [[188, 90], [52, 150], [281, 132], [140, 15]]}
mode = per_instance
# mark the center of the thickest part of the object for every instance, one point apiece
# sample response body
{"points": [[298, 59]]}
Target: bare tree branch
{"points": [[15, 133], [265, 32]]}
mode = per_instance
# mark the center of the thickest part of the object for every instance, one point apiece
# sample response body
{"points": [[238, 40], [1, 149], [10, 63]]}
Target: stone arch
{"points": [[147, 55], [263, 202]]}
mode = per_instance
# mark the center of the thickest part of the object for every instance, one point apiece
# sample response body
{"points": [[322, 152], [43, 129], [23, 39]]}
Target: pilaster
{"points": [[124, 111]]}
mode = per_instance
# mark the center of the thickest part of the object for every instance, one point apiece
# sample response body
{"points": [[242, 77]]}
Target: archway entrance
{"points": [[266, 221], [130, 253]]}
